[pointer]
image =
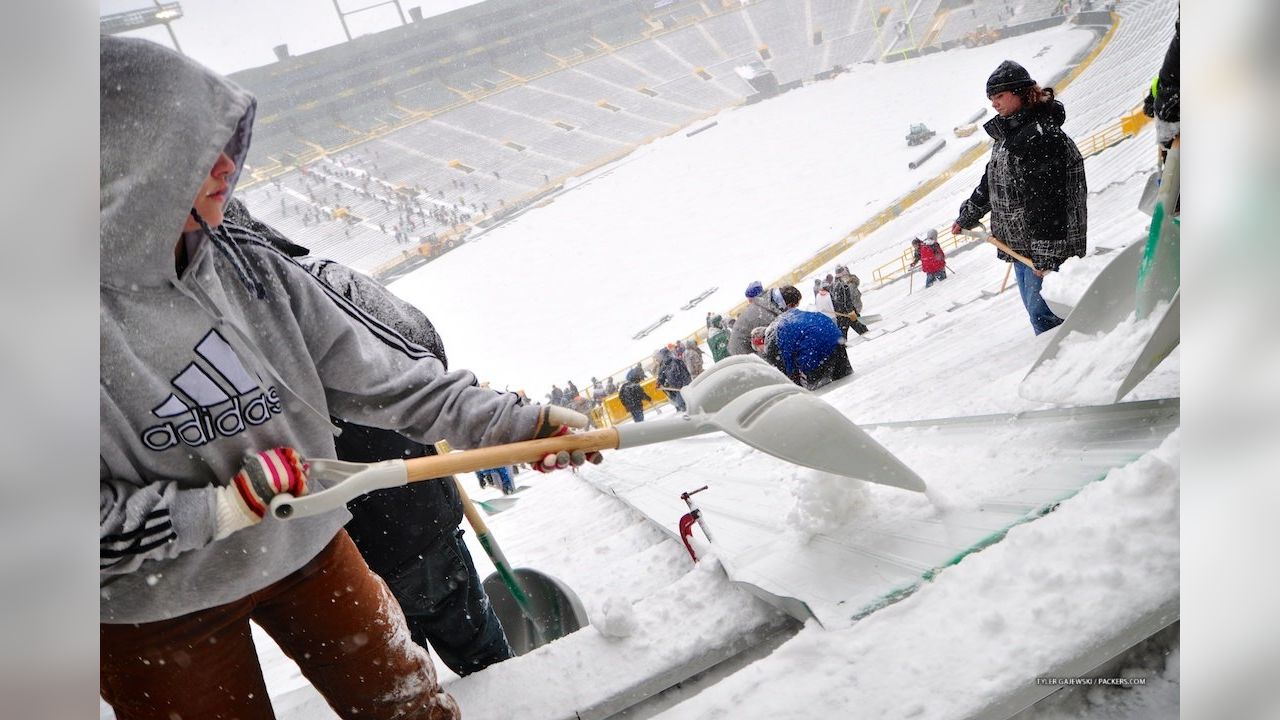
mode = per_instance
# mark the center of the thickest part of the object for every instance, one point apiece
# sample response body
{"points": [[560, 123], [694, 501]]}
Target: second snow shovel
{"points": [[1141, 278], [535, 608], [742, 395], [496, 505]]}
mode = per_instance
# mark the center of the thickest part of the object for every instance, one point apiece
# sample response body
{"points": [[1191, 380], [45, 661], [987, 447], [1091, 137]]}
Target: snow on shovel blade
{"points": [[795, 425], [1103, 350], [1125, 324]]}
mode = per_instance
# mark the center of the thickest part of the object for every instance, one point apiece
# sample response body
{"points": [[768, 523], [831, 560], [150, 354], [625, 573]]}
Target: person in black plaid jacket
{"points": [[1034, 185]]}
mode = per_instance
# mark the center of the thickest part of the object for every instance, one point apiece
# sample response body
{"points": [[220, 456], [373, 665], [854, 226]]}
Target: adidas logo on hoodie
{"points": [[214, 398]]}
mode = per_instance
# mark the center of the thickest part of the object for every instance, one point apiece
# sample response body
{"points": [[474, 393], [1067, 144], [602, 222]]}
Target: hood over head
{"points": [[163, 121]]}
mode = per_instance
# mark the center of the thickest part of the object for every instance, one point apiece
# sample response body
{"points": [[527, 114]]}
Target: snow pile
{"points": [[823, 502], [618, 619], [1088, 369], [1065, 287], [990, 625]]}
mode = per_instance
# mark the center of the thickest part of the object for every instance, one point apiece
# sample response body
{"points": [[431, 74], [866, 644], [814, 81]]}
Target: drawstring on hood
{"points": [[230, 250]]}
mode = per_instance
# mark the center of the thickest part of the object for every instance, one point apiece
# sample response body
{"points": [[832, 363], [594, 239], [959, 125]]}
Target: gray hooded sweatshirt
{"points": [[760, 311], [196, 370]]}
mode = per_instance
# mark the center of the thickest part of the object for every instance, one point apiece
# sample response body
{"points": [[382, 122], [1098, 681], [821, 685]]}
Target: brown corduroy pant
{"points": [[334, 617]]}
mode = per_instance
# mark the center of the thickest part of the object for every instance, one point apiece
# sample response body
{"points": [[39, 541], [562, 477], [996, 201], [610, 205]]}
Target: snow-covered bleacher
{"points": [[730, 33], [428, 95], [912, 35], [621, 31], [526, 62], [693, 91], [783, 31], [573, 46], [616, 71], [690, 46], [849, 49], [582, 85], [1129, 61], [480, 76], [655, 60]]}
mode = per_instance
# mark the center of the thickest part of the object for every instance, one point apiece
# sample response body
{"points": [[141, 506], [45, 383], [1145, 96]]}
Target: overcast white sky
{"points": [[231, 35]]}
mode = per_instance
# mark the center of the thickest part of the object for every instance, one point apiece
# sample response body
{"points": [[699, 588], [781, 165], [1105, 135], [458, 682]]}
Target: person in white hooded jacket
{"points": [[221, 364]]}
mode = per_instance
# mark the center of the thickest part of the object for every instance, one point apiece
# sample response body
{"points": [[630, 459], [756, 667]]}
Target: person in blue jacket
{"points": [[807, 346]]}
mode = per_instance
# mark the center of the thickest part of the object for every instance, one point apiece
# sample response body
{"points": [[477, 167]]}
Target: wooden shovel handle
{"points": [[1009, 251], [468, 508], [434, 466]]}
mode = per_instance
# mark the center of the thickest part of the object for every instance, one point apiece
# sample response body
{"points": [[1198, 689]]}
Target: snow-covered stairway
{"points": [[820, 546]]}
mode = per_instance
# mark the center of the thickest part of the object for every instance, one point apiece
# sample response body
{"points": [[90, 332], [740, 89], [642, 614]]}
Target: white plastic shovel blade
{"points": [[729, 379], [1167, 334], [1109, 303], [795, 425]]}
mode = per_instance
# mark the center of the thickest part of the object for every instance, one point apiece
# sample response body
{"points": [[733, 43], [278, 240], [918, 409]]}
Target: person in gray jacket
{"points": [[760, 311], [410, 535], [216, 385]]}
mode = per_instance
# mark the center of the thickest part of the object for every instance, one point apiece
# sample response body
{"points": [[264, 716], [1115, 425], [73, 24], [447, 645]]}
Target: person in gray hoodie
{"points": [[409, 535], [760, 311], [221, 364]]}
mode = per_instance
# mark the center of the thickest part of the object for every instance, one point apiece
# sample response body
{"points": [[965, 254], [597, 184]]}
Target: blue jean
{"points": [[1042, 318], [445, 606], [504, 474], [676, 399], [931, 278]]}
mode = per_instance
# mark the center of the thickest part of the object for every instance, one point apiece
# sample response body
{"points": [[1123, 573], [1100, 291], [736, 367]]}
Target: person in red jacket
{"points": [[931, 258]]}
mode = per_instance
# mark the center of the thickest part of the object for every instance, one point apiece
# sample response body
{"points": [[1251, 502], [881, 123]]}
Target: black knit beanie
{"points": [[1009, 76]]}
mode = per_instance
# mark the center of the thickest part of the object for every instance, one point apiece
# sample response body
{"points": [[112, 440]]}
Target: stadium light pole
{"points": [[164, 14], [342, 14]]}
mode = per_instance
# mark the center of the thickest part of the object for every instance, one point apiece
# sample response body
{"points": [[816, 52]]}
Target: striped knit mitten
{"points": [[264, 475]]}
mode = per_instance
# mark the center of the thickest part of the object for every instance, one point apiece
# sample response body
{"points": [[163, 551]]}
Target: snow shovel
{"points": [[1147, 203], [1150, 191], [552, 610], [1115, 298], [742, 396], [534, 608], [496, 505]]}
